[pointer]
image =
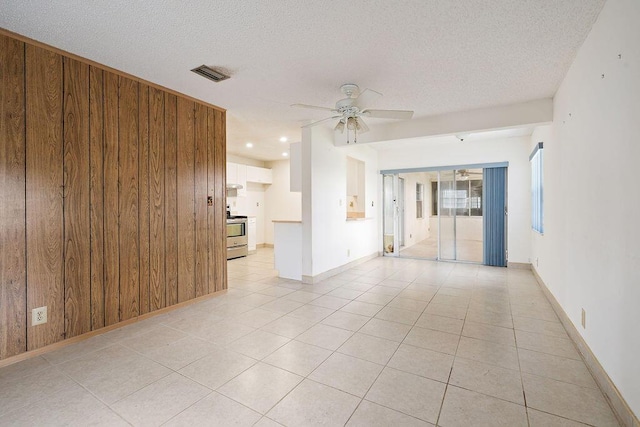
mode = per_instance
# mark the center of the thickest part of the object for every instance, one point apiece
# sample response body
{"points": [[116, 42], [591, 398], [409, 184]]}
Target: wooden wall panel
{"points": [[220, 224], [171, 182], [128, 199], [77, 284], [143, 174], [44, 190], [111, 213], [186, 202], [156, 205], [96, 195], [13, 281], [201, 229], [103, 196]]}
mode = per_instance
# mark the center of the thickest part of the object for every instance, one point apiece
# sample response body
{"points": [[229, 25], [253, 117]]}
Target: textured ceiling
{"points": [[431, 56]]}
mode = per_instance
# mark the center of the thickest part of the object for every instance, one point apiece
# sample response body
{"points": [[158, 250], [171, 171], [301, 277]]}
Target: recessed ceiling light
{"points": [[285, 154], [249, 145], [283, 139]]}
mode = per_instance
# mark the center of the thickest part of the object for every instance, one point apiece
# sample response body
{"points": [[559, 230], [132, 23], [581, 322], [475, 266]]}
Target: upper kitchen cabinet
{"points": [[259, 175], [237, 175]]}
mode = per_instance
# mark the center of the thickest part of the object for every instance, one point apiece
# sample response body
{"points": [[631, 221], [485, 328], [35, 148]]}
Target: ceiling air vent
{"points": [[210, 73]]}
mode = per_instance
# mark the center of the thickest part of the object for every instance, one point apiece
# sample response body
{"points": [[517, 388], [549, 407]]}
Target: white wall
{"points": [[590, 251], [329, 240], [280, 203], [514, 150]]}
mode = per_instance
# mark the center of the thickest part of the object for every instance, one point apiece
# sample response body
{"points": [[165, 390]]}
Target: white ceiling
{"points": [[430, 56]]}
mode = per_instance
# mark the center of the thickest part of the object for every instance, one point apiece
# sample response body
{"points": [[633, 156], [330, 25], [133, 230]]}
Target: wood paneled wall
{"points": [[104, 182]]}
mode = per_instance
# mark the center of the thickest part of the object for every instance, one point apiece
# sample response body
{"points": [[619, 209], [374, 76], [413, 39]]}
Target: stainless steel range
{"points": [[237, 239]]}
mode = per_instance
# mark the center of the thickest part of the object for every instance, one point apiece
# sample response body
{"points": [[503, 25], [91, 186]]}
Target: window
{"points": [[537, 211], [463, 200], [419, 198]]}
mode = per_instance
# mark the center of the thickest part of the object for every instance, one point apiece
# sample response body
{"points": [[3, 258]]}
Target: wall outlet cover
{"points": [[39, 316], [584, 319]]}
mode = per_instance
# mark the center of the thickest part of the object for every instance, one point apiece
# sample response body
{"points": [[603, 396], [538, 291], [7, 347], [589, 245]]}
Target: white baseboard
{"points": [[310, 280], [625, 415], [519, 265]]}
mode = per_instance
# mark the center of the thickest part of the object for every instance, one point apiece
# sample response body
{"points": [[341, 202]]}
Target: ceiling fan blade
{"points": [[366, 98], [320, 121], [389, 114], [312, 107]]}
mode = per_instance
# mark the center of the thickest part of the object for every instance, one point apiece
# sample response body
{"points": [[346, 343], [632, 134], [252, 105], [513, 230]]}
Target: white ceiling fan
{"points": [[351, 110]]}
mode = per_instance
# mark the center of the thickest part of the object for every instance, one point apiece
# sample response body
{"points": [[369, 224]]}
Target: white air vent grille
{"points": [[210, 73]]}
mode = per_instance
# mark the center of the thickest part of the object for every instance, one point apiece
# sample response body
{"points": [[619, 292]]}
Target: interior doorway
{"points": [[439, 214]]}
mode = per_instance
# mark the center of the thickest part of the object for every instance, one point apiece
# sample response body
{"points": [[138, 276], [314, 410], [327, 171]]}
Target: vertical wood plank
{"points": [[13, 286], [171, 218], [96, 195], [44, 181], [143, 173], [77, 285], [157, 204], [220, 225], [111, 212], [186, 187], [201, 232], [128, 200], [211, 192]]}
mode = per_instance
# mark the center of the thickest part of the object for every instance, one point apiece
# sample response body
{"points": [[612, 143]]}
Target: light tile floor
{"points": [[389, 342], [466, 250]]}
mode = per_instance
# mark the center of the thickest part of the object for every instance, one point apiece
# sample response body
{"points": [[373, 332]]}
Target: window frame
{"points": [[536, 160]]}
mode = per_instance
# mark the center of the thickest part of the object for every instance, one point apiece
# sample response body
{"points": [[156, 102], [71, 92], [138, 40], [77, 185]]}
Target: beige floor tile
{"points": [[79, 349], [160, 401], [446, 310], [276, 291], [491, 333], [327, 301], [258, 344], [539, 326], [157, 338], [367, 347], [413, 395], [541, 313], [69, 406], [311, 312], [440, 323], [356, 285], [347, 373], [421, 293], [19, 392], [303, 296], [373, 298], [398, 315], [463, 408], [215, 410], [267, 422], [385, 329], [260, 387], [555, 367], [325, 336], [385, 290], [256, 300], [298, 357], [423, 362], [179, 354], [217, 368], [408, 304], [547, 344], [344, 320], [490, 318], [362, 308], [457, 301], [432, 340], [488, 352], [541, 419], [224, 332], [345, 293], [282, 306], [487, 379], [312, 403], [567, 400], [369, 414], [256, 318], [24, 368], [288, 326], [398, 284], [114, 372]]}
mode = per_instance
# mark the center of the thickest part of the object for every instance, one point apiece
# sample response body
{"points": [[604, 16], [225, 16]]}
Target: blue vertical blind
{"points": [[494, 188], [537, 188]]}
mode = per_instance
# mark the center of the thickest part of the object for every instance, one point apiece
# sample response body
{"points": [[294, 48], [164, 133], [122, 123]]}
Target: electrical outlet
{"points": [[39, 316], [536, 261], [348, 252], [584, 319]]}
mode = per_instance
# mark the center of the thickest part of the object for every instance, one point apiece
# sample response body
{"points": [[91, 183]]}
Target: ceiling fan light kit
{"points": [[353, 108]]}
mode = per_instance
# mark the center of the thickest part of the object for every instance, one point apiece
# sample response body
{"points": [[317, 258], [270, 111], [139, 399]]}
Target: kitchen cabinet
{"points": [[237, 174], [252, 234], [259, 175]]}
